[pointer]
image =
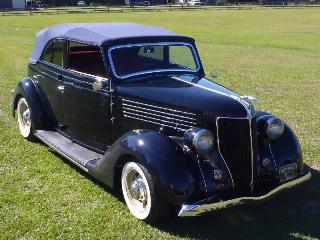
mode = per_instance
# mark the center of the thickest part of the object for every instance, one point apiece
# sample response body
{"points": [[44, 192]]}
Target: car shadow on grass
{"points": [[293, 214], [85, 174]]}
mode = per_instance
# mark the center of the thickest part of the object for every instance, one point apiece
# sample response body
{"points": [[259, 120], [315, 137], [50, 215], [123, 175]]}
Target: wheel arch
{"points": [[118, 169], [158, 153], [15, 103], [27, 89]]}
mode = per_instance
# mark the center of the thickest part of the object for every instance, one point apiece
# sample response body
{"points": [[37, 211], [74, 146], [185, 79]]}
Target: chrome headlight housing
{"points": [[199, 139], [275, 128]]}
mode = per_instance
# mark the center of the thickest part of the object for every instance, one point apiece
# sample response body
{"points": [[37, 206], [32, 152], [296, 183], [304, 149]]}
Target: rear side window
{"points": [[55, 53], [86, 59]]}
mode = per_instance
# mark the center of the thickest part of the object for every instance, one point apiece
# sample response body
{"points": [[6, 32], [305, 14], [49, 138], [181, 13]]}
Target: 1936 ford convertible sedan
{"points": [[130, 105]]}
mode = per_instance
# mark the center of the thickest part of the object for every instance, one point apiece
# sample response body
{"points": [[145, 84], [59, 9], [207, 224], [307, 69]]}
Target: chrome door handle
{"points": [[61, 87]]}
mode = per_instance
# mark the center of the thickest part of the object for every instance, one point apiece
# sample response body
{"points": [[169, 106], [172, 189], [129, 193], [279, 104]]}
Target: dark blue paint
{"points": [[95, 120], [27, 89], [184, 91], [163, 157], [282, 151]]}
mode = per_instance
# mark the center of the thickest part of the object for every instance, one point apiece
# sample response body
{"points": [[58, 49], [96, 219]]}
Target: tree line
{"points": [[122, 2]]}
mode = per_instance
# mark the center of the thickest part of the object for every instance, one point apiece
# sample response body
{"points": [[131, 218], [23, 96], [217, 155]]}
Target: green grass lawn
{"points": [[273, 55]]}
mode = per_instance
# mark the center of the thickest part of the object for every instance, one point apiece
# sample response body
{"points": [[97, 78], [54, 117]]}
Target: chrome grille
{"points": [[162, 116], [236, 146]]}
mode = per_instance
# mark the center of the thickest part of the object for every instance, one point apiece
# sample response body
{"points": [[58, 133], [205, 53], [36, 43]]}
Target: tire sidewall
{"points": [[30, 135], [144, 173]]}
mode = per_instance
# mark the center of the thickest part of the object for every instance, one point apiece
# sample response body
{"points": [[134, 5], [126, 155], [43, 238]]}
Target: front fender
{"points": [[162, 156], [28, 90], [282, 151]]}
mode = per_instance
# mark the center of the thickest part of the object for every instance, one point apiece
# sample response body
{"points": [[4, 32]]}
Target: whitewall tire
{"points": [[140, 195], [136, 190], [24, 118]]}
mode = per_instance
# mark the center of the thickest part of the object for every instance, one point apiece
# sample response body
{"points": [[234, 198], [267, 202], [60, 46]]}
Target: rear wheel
{"points": [[24, 119], [139, 192]]}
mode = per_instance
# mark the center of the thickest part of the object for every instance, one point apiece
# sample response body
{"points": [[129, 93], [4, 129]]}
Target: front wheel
{"points": [[24, 119], [140, 195]]}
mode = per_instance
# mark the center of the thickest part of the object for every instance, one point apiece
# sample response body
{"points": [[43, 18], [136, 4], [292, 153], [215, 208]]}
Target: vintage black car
{"points": [[130, 105]]}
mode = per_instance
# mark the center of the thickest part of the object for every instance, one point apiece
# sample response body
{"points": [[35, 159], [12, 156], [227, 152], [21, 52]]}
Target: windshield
{"points": [[130, 60]]}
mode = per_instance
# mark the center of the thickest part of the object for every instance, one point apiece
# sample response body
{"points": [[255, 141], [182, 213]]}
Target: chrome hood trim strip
{"points": [[243, 100]]}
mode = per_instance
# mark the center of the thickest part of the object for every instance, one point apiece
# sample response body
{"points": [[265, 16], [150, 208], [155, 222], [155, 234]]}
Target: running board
{"points": [[75, 153]]}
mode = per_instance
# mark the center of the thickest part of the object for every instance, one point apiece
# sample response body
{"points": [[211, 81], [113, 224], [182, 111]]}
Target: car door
{"points": [[50, 78], [86, 110]]}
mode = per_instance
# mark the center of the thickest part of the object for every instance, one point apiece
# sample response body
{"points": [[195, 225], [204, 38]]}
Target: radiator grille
{"points": [[235, 145], [162, 116]]}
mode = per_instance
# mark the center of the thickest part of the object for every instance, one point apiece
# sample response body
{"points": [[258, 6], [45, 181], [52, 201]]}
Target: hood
{"points": [[187, 92]]}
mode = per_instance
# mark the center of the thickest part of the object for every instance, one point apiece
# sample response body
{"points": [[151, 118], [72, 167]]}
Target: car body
{"points": [[191, 2], [137, 2], [130, 105], [81, 4], [194, 3]]}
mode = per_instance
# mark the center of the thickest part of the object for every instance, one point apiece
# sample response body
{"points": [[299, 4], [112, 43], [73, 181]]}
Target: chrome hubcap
{"points": [[136, 189], [24, 117]]}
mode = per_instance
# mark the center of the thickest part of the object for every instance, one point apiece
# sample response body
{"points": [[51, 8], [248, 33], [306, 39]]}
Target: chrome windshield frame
{"points": [[194, 54]]}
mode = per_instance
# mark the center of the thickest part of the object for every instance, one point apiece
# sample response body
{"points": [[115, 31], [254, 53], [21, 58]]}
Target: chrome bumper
{"points": [[198, 208]]}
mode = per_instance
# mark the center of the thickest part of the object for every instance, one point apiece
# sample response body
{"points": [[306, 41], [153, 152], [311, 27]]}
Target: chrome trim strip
{"points": [[198, 208], [164, 125], [203, 179], [155, 119], [88, 75], [157, 115], [195, 56], [251, 146], [149, 105], [61, 153], [273, 158], [235, 96], [170, 114], [176, 119]]}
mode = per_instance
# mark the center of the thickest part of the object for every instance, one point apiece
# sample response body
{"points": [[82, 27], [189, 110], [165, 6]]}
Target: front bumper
{"points": [[200, 207]]}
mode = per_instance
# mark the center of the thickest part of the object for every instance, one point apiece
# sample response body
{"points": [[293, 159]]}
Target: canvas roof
{"points": [[96, 34]]}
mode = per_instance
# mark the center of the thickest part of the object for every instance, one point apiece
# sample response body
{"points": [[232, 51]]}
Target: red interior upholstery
{"points": [[90, 62]]}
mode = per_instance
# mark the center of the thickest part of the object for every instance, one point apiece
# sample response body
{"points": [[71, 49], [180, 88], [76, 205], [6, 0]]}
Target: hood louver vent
{"points": [[162, 116]]}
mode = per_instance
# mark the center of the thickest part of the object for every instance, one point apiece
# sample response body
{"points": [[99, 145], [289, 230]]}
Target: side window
{"points": [[86, 59], [55, 53]]}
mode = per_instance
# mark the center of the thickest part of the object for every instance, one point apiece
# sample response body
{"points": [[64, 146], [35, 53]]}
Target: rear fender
{"points": [[162, 156]]}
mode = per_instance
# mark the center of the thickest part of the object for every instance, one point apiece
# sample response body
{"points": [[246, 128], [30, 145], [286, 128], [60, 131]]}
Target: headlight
{"points": [[275, 128], [199, 139]]}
